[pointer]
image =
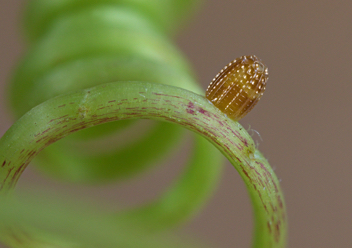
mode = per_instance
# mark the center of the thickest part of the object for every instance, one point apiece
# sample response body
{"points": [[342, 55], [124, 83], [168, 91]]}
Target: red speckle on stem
{"points": [[190, 111], [203, 111], [18, 171], [277, 231], [269, 227]]}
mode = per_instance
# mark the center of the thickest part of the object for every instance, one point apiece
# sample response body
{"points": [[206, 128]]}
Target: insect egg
{"points": [[238, 87]]}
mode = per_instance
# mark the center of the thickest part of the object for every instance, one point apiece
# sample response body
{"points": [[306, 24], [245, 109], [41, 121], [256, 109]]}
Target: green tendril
{"points": [[121, 49], [60, 116]]}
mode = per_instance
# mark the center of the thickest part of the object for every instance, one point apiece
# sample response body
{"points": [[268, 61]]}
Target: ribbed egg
{"points": [[237, 88]]}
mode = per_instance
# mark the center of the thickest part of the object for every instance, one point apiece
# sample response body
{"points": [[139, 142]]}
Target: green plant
{"points": [[117, 61]]}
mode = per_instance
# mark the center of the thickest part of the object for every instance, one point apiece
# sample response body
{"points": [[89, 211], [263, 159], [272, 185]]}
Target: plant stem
{"points": [[63, 115]]}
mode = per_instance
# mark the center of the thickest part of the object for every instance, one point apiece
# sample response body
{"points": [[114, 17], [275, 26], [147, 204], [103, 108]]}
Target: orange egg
{"points": [[238, 87]]}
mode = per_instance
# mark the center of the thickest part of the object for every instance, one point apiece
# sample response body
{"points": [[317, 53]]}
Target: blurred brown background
{"points": [[303, 117]]}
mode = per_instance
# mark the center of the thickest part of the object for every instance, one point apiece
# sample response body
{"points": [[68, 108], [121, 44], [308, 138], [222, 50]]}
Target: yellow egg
{"points": [[239, 86]]}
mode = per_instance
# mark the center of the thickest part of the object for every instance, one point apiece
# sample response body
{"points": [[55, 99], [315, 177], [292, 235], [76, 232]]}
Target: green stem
{"points": [[63, 115]]}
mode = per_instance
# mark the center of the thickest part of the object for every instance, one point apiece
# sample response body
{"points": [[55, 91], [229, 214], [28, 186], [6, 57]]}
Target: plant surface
{"points": [[111, 62]]}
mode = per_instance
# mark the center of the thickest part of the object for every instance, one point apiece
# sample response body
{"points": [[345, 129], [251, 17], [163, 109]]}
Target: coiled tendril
{"points": [[78, 44]]}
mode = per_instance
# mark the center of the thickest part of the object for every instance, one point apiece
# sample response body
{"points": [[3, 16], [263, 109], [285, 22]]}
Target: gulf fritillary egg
{"points": [[238, 87]]}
